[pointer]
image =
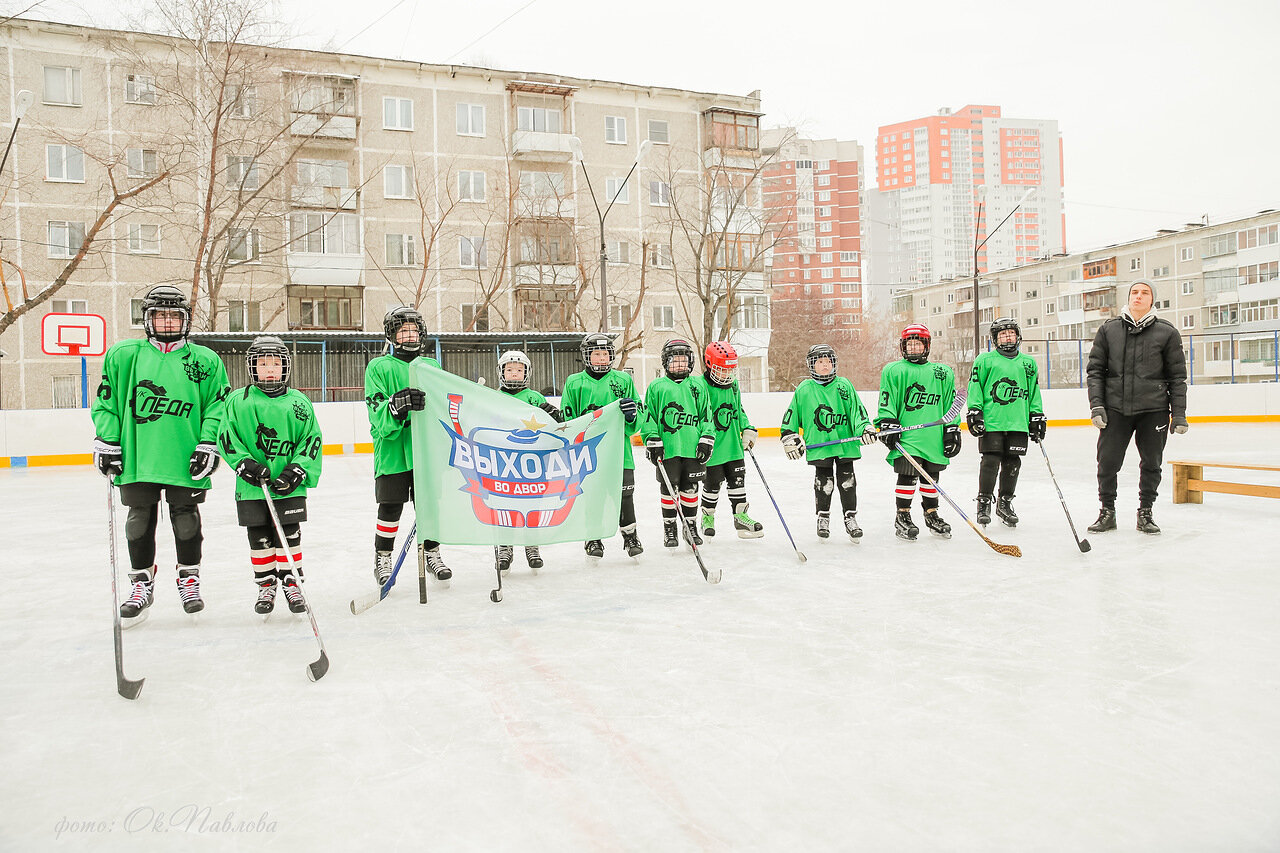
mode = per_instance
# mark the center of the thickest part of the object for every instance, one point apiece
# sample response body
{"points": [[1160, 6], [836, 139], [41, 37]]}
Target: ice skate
{"points": [[824, 525], [141, 596], [670, 536], [189, 588], [503, 555], [382, 567], [983, 516], [266, 598], [904, 527], [747, 527], [631, 541], [708, 524], [436, 566], [851, 526], [691, 530], [293, 595], [936, 525], [1004, 511], [595, 548], [533, 557]]}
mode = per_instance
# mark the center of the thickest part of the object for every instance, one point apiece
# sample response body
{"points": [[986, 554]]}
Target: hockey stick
{"points": [[957, 406], [364, 602], [496, 595], [422, 568], [776, 508], [1010, 550], [1082, 544], [317, 668], [710, 577], [126, 688]]}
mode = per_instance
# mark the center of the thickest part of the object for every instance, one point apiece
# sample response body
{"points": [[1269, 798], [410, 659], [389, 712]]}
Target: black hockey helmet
{"points": [[816, 352], [396, 318], [1003, 324], [165, 297], [919, 332], [268, 345], [673, 348], [590, 344]]}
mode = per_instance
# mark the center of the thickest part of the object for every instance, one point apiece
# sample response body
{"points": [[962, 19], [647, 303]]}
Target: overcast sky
{"points": [[1168, 111]]}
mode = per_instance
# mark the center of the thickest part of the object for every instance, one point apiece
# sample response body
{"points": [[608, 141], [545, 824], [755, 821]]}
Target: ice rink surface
{"points": [[887, 696]]}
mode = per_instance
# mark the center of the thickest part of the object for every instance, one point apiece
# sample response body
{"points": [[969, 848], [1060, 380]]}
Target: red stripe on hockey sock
{"points": [[667, 502], [262, 561], [928, 490], [281, 557], [688, 500], [387, 529], [905, 493]]}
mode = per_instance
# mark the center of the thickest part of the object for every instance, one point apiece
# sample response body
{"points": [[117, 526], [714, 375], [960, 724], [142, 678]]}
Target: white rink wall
{"points": [[65, 436]]}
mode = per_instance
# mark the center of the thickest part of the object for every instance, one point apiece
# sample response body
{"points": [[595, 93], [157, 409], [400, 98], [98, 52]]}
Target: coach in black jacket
{"points": [[1137, 390]]}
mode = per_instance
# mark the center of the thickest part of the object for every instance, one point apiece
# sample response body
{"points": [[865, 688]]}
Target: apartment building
{"points": [[310, 191], [934, 174], [813, 195], [1218, 284]]}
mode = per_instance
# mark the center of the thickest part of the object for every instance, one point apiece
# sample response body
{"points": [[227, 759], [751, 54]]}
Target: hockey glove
{"points": [[290, 478], [977, 424], [552, 411], [890, 432], [253, 472], [653, 447], [204, 461], [702, 453], [406, 400], [1180, 425], [1038, 426], [869, 436], [108, 458], [1099, 416], [749, 437], [630, 408], [793, 444], [950, 440]]}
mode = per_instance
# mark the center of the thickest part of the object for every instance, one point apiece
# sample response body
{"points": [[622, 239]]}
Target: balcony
{"points": [[540, 145], [329, 198], [544, 207], [324, 268], [323, 125], [544, 275]]}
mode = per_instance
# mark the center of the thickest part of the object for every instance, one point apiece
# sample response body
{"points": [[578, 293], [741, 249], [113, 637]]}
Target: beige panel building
{"points": [[307, 191], [1218, 284]]}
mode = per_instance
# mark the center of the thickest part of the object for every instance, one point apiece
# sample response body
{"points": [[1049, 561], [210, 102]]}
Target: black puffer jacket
{"points": [[1138, 368]]}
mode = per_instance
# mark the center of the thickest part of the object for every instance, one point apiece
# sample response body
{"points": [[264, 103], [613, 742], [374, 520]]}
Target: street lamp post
{"points": [[575, 145], [977, 226], [24, 100]]}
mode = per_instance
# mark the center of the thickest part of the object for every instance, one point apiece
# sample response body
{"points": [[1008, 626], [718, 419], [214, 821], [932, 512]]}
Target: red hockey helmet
{"points": [[919, 332], [721, 362]]}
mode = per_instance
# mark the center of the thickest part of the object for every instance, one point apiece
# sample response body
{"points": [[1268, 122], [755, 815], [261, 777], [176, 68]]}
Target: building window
{"points": [[242, 173], [400, 250], [615, 129], [616, 191], [619, 315], [538, 119], [659, 194], [542, 185], [752, 313], [325, 233], [470, 120], [397, 114], [241, 101], [316, 307], [144, 239], [139, 89], [475, 317], [135, 313], [68, 306], [1188, 253], [242, 245], [397, 182], [664, 317], [62, 86], [471, 186], [659, 133], [65, 238], [244, 316], [65, 163], [322, 173], [660, 255], [141, 162], [1160, 272], [1188, 288], [618, 252], [471, 254]]}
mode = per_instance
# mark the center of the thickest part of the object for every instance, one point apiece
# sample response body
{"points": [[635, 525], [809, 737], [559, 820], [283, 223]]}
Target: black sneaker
{"points": [[936, 525], [904, 527], [595, 548], [1106, 520], [670, 536], [1004, 511], [1145, 523], [984, 510], [631, 542]]}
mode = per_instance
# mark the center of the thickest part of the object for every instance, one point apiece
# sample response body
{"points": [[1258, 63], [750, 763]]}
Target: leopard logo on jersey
{"points": [[300, 411], [196, 371]]}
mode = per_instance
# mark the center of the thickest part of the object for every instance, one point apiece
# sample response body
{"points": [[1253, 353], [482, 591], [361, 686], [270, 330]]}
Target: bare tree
{"points": [[798, 323]]}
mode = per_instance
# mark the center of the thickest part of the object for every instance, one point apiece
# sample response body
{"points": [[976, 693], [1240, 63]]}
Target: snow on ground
{"points": [[887, 696]]}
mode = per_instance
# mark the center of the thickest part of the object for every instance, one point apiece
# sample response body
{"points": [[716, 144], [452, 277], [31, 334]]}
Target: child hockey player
{"points": [[270, 437], [913, 391], [1004, 408], [733, 435], [596, 386], [513, 378], [826, 408], [156, 415], [679, 436], [391, 402]]}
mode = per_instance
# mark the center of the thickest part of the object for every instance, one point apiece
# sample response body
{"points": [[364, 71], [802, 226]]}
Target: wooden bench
{"points": [[1189, 484]]}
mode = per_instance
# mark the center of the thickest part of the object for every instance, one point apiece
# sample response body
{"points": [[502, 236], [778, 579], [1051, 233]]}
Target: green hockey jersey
{"points": [[917, 394], [528, 395], [1007, 390], [584, 393], [678, 413], [273, 430], [724, 402], [827, 413], [158, 406], [392, 443]]}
